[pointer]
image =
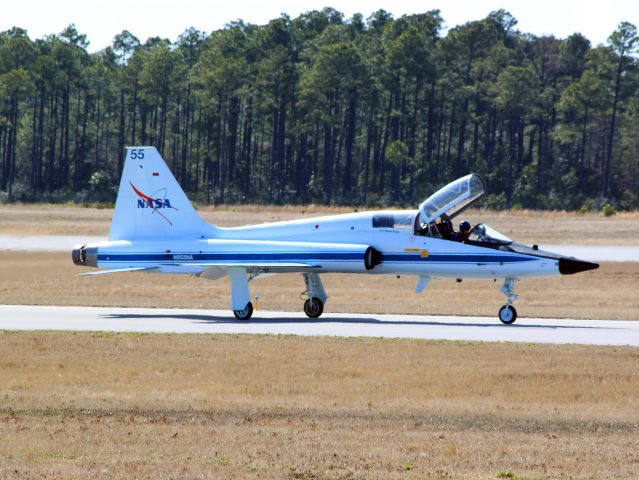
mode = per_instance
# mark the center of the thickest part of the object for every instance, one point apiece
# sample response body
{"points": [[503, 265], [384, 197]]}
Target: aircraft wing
{"points": [[270, 267], [215, 271], [252, 265], [118, 270]]}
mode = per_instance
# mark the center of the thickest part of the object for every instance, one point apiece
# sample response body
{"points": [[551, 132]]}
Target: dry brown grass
{"points": [[200, 406], [609, 293], [524, 225]]}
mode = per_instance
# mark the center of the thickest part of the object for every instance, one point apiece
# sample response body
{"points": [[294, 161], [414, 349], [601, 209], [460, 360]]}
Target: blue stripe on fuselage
{"points": [[331, 256], [457, 258], [199, 257]]}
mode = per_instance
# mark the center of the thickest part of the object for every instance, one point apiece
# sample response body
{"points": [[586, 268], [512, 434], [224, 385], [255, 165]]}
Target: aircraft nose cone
{"points": [[568, 266]]}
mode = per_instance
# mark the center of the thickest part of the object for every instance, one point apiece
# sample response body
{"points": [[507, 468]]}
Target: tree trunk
{"points": [[461, 144], [34, 145], [121, 130], [234, 114], [350, 143], [430, 126], [613, 123], [281, 150], [512, 153], [246, 148], [328, 163], [582, 153]]}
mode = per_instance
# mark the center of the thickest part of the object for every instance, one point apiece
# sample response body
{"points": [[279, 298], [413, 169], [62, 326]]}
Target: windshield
{"points": [[453, 198], [485, 234]]}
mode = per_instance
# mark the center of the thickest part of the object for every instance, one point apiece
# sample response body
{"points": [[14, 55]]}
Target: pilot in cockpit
{"points": [[462, 235], [464, 230]]}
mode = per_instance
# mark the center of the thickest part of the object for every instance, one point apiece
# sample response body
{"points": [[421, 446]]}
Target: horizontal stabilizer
{"points": [[118, 270]]}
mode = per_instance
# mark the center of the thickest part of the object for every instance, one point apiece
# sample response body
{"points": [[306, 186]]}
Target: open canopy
{"points": [[452, 199]]}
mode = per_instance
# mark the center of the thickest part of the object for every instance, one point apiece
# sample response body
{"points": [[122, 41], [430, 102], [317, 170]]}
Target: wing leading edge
{"points": [[117, 270], [274, 267]]}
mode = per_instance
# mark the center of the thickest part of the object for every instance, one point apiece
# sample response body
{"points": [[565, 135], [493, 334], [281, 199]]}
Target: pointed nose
{"points": [[569, 265]]}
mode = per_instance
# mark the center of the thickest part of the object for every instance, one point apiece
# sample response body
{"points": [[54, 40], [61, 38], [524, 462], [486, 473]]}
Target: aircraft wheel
{"points": [[313, 307], [507, 314], [244, 314]]}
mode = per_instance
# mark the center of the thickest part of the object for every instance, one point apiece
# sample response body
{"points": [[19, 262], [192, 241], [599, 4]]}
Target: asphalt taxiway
{"points": [[146, 320]]}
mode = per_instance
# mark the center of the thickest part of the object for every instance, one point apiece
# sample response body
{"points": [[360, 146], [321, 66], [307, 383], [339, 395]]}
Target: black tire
{"points": [[313, 307], [507, 314], [244, 314]]}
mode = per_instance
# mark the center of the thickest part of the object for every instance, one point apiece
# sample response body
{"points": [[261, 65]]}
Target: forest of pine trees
{"points": [[324, 109]]}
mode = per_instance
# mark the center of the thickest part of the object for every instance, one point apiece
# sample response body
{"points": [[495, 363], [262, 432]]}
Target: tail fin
{"points": [[150, 204]]}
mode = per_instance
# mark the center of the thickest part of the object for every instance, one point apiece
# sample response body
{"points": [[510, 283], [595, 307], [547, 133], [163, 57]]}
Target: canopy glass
{"points": [[453, 199]]}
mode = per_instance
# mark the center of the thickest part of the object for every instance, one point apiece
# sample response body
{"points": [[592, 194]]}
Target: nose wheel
{"points": [[507, 313], [244, 314], [313, 307]]}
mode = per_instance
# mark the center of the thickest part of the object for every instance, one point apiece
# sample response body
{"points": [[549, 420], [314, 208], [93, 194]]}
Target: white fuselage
{"points": [[333, 243]]}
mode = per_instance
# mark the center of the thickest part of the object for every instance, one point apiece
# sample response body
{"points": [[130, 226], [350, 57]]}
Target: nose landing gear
{"points": [[507, 313]]}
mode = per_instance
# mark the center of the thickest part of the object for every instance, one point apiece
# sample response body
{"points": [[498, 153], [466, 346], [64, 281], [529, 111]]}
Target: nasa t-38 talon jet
{"points": [[156, 229]]}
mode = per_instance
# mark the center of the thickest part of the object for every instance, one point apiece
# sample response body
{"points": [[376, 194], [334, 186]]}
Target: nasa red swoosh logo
{"points": [[151, 202]]}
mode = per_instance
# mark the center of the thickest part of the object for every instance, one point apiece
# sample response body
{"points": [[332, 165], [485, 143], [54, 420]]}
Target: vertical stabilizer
{"points": [[151, 205]]}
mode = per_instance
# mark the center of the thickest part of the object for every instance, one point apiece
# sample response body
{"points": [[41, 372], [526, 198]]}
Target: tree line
{"points": [[324, 109]]}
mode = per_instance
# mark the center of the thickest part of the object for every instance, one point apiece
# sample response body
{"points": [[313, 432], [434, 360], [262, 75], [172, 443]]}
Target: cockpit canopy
{"points": [[452, 199]]}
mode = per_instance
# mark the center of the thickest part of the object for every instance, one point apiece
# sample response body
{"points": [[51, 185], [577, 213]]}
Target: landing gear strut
{"points": [[507, 313], [314, 304], [240, 296]]}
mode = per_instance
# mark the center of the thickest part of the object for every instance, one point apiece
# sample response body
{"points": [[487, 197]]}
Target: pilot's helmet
{"points": [[464, 226]]}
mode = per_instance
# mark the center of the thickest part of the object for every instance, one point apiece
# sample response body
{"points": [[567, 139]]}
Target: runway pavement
{"points": [[530, 330]]}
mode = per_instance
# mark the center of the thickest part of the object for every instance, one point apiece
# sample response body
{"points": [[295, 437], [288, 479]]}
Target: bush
{"points": [[495, 202], [608, 210]]}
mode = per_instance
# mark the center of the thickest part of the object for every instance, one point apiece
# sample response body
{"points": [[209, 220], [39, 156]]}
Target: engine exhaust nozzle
{"points": [[86, 257]]}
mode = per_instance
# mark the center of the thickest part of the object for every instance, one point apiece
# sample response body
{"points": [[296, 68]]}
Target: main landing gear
{"points": [[314, 304], [245, 313], [507, 313], [313, 307], [240, 296], [241, 299]]}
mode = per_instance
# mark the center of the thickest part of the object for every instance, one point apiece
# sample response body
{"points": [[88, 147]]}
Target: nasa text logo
{"points": [[154, 203]]}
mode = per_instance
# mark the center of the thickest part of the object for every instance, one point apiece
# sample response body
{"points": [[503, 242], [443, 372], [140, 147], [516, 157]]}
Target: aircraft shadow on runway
{"points": [[212, 319]]}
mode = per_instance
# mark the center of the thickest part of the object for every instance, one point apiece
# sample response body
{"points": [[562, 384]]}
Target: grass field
{"points": [[201, 406]]}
